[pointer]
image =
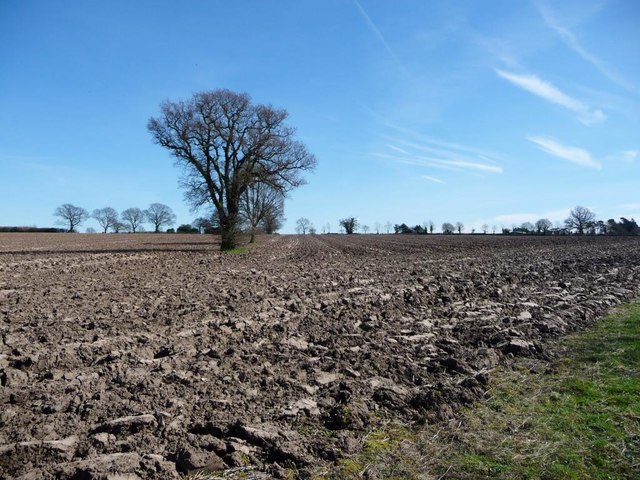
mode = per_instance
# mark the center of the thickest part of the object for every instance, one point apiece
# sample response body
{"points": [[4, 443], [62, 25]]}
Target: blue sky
{"points": [[494, 112]]}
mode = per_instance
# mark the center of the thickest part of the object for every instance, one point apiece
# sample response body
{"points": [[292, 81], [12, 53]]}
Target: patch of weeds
{"points": [[236, 251]]}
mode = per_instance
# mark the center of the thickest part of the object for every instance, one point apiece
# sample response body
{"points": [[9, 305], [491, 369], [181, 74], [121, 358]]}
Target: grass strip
{"points": [[575, 418]]}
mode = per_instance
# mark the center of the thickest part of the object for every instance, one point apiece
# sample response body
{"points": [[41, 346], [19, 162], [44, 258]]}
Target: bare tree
{"points": [[378, 227], [159, 215], [107, 217], [494, 229], [350, 224], [459, 227], [527, 227], [303, 225], [365, 228], [71, 215], [133, 218], [485, 228], [226, 144], [448, 228], [431, 226], [388, 226], [543, 225], [258, 201], [273, 220], [580, 219]]}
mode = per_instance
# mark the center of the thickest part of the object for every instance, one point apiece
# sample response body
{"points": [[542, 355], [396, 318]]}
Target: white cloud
{"points": [[630, 156], [570, 39], [376, 31], [519, 218], [452, 156], [575, 155], [483, 167], [432, 179], [398, 149], [551, 93]]}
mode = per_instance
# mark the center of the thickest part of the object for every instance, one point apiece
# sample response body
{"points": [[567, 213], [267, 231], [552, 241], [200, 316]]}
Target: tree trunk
{"points": [[228, 231]]}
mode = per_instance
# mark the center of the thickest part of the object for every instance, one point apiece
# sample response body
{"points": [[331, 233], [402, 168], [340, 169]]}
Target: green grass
{"points": [[236, 251], [579, 418]]}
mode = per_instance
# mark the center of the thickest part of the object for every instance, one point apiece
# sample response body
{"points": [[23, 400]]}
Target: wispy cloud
{"points": [[432, 179], [376, 31], [398, 149], [631, 206], [551, 93], [575, 155], [519, 218], [626, 156], [570, 39], [451, 163]]}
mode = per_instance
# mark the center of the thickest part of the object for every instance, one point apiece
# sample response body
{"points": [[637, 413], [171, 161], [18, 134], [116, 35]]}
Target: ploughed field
{"points": [[156, 355]]}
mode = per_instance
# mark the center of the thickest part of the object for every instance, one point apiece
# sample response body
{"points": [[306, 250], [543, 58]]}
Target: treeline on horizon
{"points": [[581, 221]]}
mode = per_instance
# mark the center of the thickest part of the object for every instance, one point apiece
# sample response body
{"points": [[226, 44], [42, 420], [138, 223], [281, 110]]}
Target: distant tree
{"points": [[227, 144], [365, 228], [494, 229], [388, 226], [202, 223], [312, 230], [459, 227], [119, 226], [485, 228], [303, 225], [448, 228], [378, 228], [527, 227], [107, 218], [419, 230], [273, 220], [328, 225], [624, 227], [579, 219], [543, 225], [71, 215], [159, 215], [602, 227], [133, 218], [90, 230], [186, 228], [349, 224], [432, 226], [258, 202], [402, 228]]}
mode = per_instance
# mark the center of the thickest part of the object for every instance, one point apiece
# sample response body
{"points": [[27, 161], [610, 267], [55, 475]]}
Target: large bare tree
{"points": [[261, 202], [303, 225], [133, 218], [226, 144], [71, 215], [159, 214], [580, 218], [107, 217]]}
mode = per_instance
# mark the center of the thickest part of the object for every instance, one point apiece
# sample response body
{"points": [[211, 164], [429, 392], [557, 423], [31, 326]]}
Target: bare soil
{"points": [[151, 356]]}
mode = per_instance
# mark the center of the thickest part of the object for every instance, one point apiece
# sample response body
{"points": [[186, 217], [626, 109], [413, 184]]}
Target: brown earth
{"points": [[149, 356]]}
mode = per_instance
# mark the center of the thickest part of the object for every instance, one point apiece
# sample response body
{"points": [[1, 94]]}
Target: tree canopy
{"points": [[226, 144]]}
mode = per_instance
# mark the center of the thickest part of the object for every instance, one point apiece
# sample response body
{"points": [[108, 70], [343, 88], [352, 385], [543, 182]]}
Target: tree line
{"points": [[130, 220], [261, 211], [581, 221]]}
